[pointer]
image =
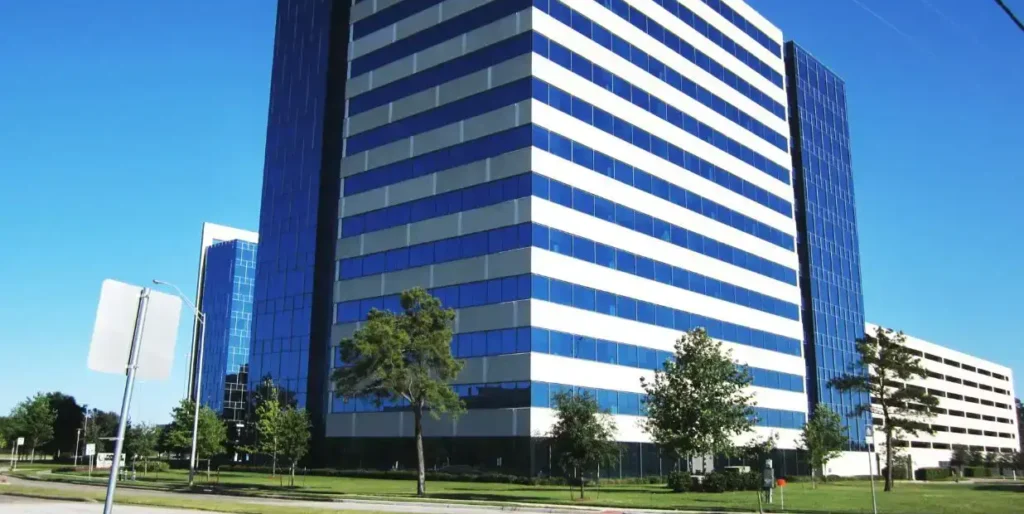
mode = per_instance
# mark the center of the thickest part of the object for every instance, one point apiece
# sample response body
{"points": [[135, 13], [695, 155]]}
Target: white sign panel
{"points": [[106, 460], [115, 327], [90, 450], [21, 441]]}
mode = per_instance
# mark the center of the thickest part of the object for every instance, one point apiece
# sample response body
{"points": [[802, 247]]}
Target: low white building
{"points": [[976, 407]]}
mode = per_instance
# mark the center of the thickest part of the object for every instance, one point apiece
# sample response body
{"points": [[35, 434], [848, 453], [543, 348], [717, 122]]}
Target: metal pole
{"points": [[198, 387], [78, 436], [133, 364], [875, 503]]}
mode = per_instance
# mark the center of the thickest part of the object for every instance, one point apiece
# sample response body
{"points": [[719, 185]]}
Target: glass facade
{"points": [[227, 303], [830, 271], [298, 215]]}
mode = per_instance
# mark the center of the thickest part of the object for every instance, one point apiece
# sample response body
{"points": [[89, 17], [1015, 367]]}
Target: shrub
{"points": [[898, 472], [153, 466], [749, 481], [977, 471], [715, 482], [933, 473], [679, 482]]}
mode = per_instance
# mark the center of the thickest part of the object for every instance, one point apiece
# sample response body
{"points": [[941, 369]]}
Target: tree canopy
{"points": [[404, 358], [824, 438], [140, 441], [211, 434], [293, 437], [267, 422], [583, 437], [101, 426], [70, 418], [698, 402], [33, 419], [884, 371]]}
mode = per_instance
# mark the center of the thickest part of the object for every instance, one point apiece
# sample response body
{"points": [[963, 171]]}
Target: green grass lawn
{"points": [[839, 497], [178, 503]]}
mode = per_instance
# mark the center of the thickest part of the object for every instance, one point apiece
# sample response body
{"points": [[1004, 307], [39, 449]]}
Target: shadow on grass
{"points": [[1015, 488]]}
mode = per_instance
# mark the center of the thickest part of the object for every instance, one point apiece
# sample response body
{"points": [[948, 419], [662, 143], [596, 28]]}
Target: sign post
{"points": [[19, 442], [90, 450], [870, 439], [139, 324]]}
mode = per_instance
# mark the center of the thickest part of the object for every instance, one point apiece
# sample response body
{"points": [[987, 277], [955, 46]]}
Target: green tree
{"points": [[1017, 460], [975, 457], [824, 438], [990, 459], [211, 434], [699, 400], [70, 416], [6, 432], [960, 457], [293, 437], [904, 409], [583, 437], [33, 419], [267, 422], [101, 428], [404, 358], [140, 442]]}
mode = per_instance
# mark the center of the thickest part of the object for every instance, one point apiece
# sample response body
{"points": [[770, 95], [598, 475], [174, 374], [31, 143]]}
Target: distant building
{"points": [[224, 295], [976, 408]]}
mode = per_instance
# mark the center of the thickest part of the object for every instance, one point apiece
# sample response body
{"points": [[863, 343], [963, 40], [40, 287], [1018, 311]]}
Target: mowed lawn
{"points": [[839, 497]]}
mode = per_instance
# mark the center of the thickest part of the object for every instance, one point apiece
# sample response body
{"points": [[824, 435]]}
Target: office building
{"points": [[830, 272], [227, 304], [581, 181], [293, 301], [976, 408], [212, 234]]}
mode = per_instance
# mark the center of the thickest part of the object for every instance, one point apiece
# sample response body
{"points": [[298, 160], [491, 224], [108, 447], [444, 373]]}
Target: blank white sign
{"points": [[115, 326]]}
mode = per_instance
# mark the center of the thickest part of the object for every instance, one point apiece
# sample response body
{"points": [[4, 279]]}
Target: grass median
{"points": [[241, 506], [838, 497]]}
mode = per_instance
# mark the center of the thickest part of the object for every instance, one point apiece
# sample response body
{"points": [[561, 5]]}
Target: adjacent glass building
{"points": [[299, 209], [227, 303], [830, 272]]}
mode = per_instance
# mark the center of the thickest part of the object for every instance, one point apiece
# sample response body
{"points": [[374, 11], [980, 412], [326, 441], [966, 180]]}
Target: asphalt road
{"points": [[13, 505]]}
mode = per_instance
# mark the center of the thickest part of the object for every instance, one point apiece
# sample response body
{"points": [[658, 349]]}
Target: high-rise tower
{"points": [[826, 214]]}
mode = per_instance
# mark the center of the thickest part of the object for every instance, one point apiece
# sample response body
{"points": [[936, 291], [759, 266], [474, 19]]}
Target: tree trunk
{"points": [[208, 470], [292, 480], [32, 458], [421, 472], [888, 461], [814, 484], [273, 465]]}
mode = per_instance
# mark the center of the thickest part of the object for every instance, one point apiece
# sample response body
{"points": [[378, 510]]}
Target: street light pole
{"points": [[78, 436], [199, 376]]}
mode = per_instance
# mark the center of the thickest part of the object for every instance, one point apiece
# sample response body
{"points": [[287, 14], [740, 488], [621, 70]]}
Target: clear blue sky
{"points": [[124, 125]]}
